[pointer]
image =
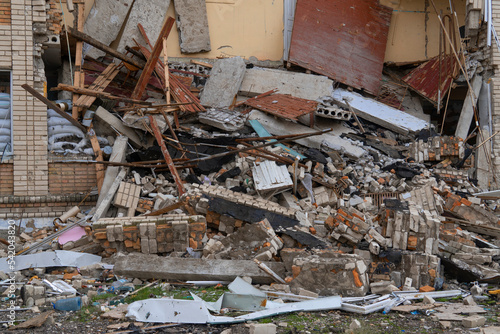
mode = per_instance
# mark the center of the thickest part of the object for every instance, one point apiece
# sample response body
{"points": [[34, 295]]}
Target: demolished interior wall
{"points": [[414, 30]]}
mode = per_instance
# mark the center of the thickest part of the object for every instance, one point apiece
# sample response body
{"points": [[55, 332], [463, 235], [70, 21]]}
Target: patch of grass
{"points": [[145, 294], [104, 296], [300, 321], [85, 313], [265, 320]]}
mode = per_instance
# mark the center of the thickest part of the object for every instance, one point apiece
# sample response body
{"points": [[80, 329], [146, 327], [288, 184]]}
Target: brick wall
{"points": [[29, 114], [6, 179], [71, 178], [13, 207], [495, 59], [5, 12]]}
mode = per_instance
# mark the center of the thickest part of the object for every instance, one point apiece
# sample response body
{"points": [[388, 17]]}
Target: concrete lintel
{"points": [[468, 108], [186, 269]]}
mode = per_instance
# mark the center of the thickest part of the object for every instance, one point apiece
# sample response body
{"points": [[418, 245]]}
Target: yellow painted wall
{"points": [[237, 28], [408, 39], [255, 28]]}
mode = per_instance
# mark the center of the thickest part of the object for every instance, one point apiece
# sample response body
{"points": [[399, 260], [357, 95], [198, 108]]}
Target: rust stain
{"points": [[343, 41]]}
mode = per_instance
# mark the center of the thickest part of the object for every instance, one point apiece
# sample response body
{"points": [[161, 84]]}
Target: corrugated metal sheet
{"points": [[425, 79], [342, 39], [284, 106]]}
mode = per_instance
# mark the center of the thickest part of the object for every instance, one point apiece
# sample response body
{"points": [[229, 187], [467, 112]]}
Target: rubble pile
{"points": [[311, 198]]}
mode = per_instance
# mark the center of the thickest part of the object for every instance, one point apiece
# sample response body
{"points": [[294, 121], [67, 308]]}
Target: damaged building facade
{"points": [[273, 140]]}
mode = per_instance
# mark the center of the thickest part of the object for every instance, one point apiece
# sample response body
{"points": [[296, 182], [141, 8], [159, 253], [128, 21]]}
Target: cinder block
{"points": [[473, 321], [262, 328]]}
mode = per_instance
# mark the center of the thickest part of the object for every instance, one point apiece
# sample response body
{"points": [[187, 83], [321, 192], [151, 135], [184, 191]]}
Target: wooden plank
{"points": [[166, 155], [79, 75], [153, 59], [98, 82], [99, 85], [262, 132], [102, 95], [179, 91], [167, 80], [95, 43], [53, 106], [99, 168], [196, 62]]}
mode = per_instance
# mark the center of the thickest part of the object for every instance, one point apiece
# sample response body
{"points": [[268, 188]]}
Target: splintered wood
{"points": [[99, 85]]}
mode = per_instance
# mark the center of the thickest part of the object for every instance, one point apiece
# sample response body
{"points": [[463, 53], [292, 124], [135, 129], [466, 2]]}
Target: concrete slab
{"points": [[227, 120], [159, 267], [151, 14], [192, 23], [224, 82], [379, 113], [105, 21], [467, 112], [306, 86], [109, 119], [331, 139]]}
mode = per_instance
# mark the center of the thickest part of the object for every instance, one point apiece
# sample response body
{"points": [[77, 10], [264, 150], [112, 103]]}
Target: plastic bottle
{"points": [[68, 304]]}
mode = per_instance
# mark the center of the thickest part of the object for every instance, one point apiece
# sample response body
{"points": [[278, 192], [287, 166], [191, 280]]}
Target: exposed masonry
{"points": [[240, 198], [437, 148], [327, 107], [495, 60], [149, 235]]}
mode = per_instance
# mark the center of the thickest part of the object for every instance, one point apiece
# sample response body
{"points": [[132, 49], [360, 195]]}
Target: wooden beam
{"points": [[99, 168], [103, 47], [102, 95], [153, 59], [53, 106], [79, 78], [99, 85], [167, 74], [166, 155]]}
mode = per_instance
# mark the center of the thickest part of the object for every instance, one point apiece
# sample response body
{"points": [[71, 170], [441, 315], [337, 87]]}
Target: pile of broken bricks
{"points": [[343, 206]]}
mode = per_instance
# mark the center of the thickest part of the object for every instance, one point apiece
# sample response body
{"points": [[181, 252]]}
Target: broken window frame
{"points": [[8, 151]]}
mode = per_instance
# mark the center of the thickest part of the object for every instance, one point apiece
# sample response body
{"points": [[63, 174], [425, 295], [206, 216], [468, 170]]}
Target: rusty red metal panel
{"points": [[425, 78], [342, 39], [283, 106]]}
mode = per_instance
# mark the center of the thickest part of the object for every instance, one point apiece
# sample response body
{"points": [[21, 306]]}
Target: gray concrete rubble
{"points": [[148, 14], [328, 199], [331, 140], [224, 82], [305, 86], [148, 266], [105, 16], [192, 24], [223, 119]]}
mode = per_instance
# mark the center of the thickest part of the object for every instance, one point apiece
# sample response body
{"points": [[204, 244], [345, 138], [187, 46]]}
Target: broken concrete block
{"points": [[428, 300], [150, 266], [224, 82], [227, 120], [473, 321], [192, 23], [305, 86], [469, 300], [151, 15], [105, 16], [338, 274], [262, 328]]}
